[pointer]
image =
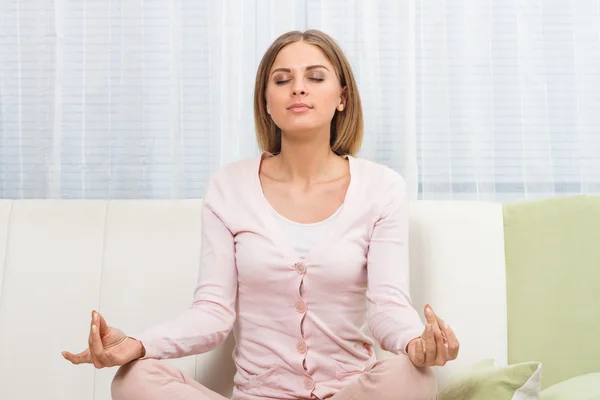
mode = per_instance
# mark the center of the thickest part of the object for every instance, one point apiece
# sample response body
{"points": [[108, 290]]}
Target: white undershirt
{"points": [[304, 236]]}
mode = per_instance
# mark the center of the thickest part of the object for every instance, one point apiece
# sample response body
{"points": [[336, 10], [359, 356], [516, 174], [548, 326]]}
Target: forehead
{"points": [[299, 55]]}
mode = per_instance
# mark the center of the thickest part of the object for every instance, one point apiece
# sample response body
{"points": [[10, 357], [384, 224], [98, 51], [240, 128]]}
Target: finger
{"points": [[79, 358], [100, 359], [440, 357], [440, 323], [450, 338], [433, 319], [430, 315], [430, 347], [453, 345], [96, 348], [418, 353], [443, 327], [102, 325], [90, 339]]}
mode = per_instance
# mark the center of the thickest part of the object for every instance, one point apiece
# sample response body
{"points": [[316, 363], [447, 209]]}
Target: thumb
{"points": [[429, 315], [102, 325]]}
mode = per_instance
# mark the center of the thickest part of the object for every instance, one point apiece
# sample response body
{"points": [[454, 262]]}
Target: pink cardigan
{"points": [[299, 323]]}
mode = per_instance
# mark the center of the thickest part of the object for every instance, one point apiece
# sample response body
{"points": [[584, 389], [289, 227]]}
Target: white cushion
{"points": [[457, 266], [51, 283], [4, 214], [151, 258]]}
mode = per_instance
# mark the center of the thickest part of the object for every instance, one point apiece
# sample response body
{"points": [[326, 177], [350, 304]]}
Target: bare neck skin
{"points": [[307, 162]]}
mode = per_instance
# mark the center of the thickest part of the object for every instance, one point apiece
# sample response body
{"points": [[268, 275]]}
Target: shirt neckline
{"points": [[275, 226]]}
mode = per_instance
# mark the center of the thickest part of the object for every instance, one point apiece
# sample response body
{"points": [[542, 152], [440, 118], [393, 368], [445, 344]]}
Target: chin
{"points": [[299, 126]]}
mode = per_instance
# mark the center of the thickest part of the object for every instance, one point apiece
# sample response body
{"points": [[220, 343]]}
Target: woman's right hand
{"points": [[107, 346]]}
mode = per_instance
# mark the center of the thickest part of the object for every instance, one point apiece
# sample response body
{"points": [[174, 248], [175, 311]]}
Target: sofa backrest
{"points": [[136, 261]]}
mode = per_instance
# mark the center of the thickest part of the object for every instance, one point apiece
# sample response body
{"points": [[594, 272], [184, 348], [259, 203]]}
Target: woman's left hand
{"points": [[436, 346]]}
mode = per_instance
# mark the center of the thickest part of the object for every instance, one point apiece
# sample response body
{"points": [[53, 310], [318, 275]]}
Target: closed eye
{"points": [[286, 81]]}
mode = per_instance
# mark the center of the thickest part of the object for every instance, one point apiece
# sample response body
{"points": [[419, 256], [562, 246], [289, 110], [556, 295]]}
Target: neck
{"points": [[305, 160]]}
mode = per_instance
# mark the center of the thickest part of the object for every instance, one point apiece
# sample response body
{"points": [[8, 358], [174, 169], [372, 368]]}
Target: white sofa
{"points": [[136, 261]]}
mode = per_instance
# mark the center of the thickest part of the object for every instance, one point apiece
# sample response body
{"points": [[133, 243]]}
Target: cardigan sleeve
{"points": [[209, 319], [392, 319]]}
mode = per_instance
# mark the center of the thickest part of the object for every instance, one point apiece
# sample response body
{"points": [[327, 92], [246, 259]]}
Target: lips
{"points": [[299, 107]]}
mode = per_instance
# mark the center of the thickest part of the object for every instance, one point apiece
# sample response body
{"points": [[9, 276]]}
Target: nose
{"points": [[298, 88], [299, 91]]}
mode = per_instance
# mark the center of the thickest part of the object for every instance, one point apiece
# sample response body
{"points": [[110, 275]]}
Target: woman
{"points": [[300, 247]]}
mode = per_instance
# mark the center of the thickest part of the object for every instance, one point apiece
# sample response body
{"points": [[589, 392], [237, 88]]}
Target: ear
{"points": [[343, 99]]}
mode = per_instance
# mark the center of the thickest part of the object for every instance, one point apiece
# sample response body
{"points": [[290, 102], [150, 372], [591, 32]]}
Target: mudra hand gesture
{"points": [[436, 346], [107, 346]]}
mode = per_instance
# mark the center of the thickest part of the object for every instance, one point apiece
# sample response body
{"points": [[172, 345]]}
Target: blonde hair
{"points": [[346, 127]]}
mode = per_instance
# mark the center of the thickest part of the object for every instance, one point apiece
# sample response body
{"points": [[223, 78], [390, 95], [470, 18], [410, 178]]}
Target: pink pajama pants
{"points": [[395, 378]]}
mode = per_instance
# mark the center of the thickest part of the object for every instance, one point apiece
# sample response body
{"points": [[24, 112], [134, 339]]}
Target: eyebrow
{"points": [[307, 68]]}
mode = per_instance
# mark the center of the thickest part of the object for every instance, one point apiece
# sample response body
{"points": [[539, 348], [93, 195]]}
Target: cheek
{"points": [[326, 103], [277, 102], [270, 101], [328, 97], [271, 95]]}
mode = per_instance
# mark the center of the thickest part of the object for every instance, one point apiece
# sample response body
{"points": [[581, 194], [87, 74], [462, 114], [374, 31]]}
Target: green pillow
{"points": [[486, 381], [584, 387], [552, 284]]}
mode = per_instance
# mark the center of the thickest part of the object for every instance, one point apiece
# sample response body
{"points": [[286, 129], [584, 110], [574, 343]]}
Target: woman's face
{"points": [[303, 90]]}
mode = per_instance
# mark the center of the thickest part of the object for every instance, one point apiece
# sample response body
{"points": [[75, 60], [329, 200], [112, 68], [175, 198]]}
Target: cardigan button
{"points": [[300, 307], [301, 347], [300, 268], [309, 384]]}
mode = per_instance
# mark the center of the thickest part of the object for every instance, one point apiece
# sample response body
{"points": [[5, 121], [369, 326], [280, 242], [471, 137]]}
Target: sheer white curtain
{"points": [[508, 98], [147, 98], [468, 99]]}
